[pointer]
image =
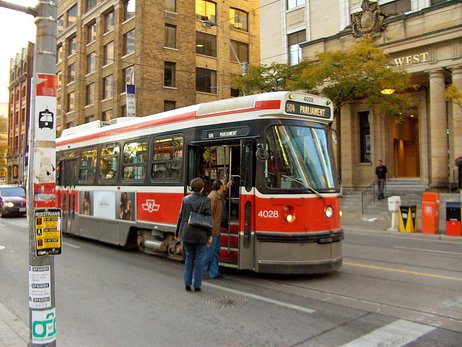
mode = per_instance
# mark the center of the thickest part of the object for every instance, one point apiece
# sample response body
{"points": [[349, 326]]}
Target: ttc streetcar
{"points": [[122, 181]]}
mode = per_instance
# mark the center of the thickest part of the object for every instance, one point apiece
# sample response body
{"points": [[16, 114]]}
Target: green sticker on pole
{"points": [[47, 231]]}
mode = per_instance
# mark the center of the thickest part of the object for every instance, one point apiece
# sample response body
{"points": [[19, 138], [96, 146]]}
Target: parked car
{"points": [[12, 201]]}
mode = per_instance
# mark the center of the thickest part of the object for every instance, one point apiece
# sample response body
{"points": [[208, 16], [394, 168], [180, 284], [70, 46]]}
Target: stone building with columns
{"points": [[422, 37]]}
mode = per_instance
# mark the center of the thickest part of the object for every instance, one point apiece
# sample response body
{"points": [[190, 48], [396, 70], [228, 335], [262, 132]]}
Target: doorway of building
{"points": [[406, 147]]}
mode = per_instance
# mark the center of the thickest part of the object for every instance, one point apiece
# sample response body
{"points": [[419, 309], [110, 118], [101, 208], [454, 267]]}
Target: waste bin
{"points": [[453, 214], [407, 218], [430, 213]]}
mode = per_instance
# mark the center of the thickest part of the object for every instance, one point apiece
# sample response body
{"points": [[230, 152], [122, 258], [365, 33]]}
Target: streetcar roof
{"points": [[196, 115]]}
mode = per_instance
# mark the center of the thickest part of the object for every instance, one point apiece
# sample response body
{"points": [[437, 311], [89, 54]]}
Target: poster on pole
{"points": [[47, 231]]}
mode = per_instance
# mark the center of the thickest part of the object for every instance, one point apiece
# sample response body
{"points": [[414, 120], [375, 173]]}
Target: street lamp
{"points": [[244, 65]]}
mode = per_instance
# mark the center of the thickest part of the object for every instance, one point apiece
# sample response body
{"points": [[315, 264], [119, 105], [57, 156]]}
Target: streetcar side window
{"points": [[109, 162], [87, 170], [167, 160], [135, 155]]}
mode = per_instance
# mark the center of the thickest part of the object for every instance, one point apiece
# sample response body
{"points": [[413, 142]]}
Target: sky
{"points": [[16, 29]]}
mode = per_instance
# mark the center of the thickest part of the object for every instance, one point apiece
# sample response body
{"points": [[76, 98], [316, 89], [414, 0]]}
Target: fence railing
{"points": [[368, 195]]}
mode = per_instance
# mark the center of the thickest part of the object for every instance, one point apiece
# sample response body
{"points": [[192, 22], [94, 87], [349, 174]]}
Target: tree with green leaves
{"points": [[358, 74], [264, 78]]}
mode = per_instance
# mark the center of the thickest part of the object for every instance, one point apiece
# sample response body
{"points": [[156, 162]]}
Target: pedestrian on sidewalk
{"points": [[381, 173]]}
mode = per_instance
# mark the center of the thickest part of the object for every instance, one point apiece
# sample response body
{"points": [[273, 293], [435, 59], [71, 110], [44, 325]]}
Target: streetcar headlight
{"points": [[289, 214], [9, 204], [329, 211], [340, 213]]}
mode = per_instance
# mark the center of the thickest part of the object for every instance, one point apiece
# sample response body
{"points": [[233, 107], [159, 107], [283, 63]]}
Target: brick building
{"points": [[161, 47], [21, 69]]}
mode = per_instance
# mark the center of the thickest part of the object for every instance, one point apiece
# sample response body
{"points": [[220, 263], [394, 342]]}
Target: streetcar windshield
{"points": [[299, 158]]}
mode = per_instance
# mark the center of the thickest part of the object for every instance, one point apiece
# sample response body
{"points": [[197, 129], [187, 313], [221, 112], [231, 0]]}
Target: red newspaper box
{"points": [[430, 213], [453, 214]]}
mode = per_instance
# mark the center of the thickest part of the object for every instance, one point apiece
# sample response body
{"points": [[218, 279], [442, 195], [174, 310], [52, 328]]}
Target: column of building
{"points": [[438, 148], [455, 125]]}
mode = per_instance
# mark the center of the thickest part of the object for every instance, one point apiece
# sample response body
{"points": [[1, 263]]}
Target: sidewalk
{"points": [[13, 331], [377, 225]]}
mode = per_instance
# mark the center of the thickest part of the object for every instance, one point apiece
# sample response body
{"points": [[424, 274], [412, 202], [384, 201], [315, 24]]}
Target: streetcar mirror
{"points": [[262, 153]]}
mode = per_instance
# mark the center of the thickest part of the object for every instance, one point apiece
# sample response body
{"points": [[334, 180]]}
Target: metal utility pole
{"points": [[44, 219]]}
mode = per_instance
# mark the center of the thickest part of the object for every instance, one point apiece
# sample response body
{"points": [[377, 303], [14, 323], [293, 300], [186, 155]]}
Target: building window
{"points": [[109, 21], [70, 106], [60, 24], [129, 9], [91, 32], [59, 55], [395, 8], [72, 15], [294, 3], [238, 19], [108, 87], [60, 79], [71, 73], [128, 77], [295, 51], [91, 63], [91, 4], [108, 53], [106, 115], [206, 10], [365, 137], [90, 97], [206, 80], [169, 74], [169, 105], [129, 42], [170, 5], [206, 44], [242, 51], [170, 36], [72, 44]]}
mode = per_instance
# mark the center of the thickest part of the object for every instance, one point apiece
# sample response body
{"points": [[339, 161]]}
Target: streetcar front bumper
{"points": [[308, 253]]}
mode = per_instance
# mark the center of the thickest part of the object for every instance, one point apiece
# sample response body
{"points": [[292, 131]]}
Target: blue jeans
{"points": [[195, 256], [211, 265]]}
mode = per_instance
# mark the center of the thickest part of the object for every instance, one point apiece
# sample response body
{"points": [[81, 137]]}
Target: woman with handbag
{"points": [[193, 237]]}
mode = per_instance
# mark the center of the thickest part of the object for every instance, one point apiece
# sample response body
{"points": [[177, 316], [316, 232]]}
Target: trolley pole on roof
{"points": [[43, 217]]}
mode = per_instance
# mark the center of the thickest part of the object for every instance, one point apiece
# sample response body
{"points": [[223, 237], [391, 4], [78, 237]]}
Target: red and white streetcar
{"points": [[122, 181]]}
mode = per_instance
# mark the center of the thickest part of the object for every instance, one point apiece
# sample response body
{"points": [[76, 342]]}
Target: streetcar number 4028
{"points": [[268, 214]]}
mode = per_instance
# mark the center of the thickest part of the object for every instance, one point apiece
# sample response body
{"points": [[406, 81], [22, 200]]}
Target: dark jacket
{"points": [[381, 172], [186, 233]]}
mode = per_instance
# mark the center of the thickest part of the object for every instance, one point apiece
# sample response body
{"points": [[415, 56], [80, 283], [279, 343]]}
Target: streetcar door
{"points": [[67, 181]]}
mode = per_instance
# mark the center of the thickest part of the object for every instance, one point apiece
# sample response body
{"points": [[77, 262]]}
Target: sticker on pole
{"points": [[44, 326], [39, 286], [47, 231], [45, 107]]}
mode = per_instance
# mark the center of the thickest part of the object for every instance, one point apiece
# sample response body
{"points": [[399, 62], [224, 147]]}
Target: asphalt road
{"points": [[393, 290]]}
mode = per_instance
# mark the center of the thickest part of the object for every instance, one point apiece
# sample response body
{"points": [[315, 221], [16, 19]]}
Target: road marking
{"points": [[70, 245], [262, 298], [2, 247], [428, 250], [398, 333], [415, 273]]}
